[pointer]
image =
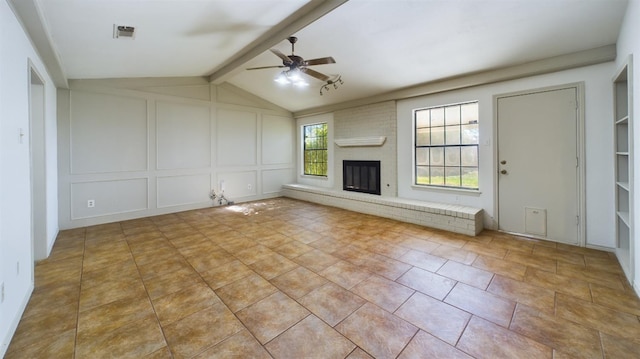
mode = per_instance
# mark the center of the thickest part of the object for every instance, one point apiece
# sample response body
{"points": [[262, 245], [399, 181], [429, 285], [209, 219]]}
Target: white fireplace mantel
{"points": [[361, 141]]}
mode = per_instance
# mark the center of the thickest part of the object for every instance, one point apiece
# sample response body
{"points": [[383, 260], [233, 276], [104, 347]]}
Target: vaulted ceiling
{"points": [[380, 46]]}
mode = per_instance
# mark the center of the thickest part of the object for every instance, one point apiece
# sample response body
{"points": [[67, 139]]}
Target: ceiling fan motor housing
{"points": [[296, 61]]}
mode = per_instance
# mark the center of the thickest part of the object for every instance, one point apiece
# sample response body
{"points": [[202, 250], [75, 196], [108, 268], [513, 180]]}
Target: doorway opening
{"points": [[38, 165]]}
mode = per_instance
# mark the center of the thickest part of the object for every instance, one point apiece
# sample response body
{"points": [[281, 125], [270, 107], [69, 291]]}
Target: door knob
{"points": [[504, 172], [503, 162]]}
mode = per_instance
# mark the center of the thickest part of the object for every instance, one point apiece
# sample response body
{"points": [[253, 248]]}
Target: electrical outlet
{"points": [[91, 203], [249, 186]]}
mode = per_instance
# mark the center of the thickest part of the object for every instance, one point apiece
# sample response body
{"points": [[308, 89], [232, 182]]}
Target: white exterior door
{"points": [[538, 164]]}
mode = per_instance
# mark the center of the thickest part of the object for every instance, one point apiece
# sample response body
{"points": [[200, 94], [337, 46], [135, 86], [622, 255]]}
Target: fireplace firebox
{"points": [[361, 176]]}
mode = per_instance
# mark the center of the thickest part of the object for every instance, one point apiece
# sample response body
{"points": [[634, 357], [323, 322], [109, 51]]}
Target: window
{"points": [[315, 149], [446, 145]]}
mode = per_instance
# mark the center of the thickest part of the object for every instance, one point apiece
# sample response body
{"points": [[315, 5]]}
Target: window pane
{"points": [[469, 113], [452, 156], [452, 135], [315, 149], [452, 115], [422, 137], [437, 176], [422, 175], [437, 116], [437, 156], [446, 145], [470, 134], [452, 177], [422, 156], [469, 156], [422, 118], [470, 177], [437, 136]]}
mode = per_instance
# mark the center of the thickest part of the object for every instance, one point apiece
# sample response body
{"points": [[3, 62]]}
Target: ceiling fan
{"points": [[297, 64]]}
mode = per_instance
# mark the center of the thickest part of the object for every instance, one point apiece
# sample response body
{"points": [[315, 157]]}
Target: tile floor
{"points": [[288, 279]]}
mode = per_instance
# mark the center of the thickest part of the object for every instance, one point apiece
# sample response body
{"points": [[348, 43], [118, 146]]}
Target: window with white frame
{"points": [[315, 149], [446, 146]]}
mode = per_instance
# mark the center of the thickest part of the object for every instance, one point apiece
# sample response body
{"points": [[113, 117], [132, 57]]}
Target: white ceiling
{"points": [[379, 45]]}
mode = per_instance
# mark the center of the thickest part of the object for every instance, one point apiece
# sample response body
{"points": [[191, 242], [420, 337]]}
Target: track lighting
{"points": [[335, 83]]}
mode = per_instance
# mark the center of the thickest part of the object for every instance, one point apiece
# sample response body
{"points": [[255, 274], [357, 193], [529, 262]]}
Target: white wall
{"points": [[152, 146], [16, 55], [598, 133], [629, 44]]}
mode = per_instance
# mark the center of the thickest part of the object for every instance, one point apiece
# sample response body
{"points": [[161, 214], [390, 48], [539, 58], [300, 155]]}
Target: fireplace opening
{"points": [[361, 176]]}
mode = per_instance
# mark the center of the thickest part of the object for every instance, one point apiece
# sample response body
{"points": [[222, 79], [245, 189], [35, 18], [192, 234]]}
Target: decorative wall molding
{"points": [[361, 141]]}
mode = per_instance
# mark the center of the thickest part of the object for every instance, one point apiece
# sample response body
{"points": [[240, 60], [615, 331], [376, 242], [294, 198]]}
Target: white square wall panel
{"points": [[238, 185], [272, 180], [277, 140], [181, 190], [108, 133], [237, 137], [108, 197], [183, 133]]}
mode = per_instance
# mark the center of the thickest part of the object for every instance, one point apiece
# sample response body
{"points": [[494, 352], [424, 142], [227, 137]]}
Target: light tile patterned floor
{"points": [[287, 279]]}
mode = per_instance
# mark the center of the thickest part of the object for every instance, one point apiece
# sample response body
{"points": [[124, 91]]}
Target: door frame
{"points": [[37, 161], [580, 150]]}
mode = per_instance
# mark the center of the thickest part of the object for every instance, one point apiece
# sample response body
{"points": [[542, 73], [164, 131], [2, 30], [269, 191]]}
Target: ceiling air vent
{"points": [[123, 31]]}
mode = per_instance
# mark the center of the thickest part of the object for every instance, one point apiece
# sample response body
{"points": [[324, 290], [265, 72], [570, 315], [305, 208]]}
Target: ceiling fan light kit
{"points": [[297, 66], [293, 77]]}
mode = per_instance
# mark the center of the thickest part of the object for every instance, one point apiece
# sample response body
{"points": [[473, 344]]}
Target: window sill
{"points": [[464, 191], [322, 178]]}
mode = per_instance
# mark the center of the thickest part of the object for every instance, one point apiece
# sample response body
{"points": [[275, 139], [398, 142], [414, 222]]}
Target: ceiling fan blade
{"points": [[320, 61], [266, 67], [316, 74], [285, 58]]}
